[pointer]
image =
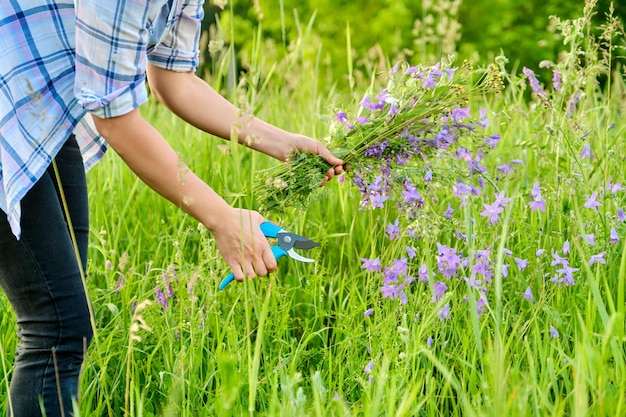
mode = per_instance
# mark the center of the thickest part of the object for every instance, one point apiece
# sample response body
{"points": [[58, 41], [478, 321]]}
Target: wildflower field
{"points": [[472, 261]]}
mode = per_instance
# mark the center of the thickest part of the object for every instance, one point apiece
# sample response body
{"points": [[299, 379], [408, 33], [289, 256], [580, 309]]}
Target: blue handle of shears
{"points": [[278, 253], [270, 229]]}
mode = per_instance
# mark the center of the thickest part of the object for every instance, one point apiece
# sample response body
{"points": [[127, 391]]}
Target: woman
{"points": [[66, 64]]}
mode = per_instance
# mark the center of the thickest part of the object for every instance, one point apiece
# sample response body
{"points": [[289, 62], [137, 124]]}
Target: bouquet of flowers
{"points": [[420, 115]]}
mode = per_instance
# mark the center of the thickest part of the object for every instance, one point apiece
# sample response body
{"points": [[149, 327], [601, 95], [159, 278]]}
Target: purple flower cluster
{"points": [[163, 290], [449, 261], [395, 280], [452, 266], [534, 82], [430, 76], [477, 270], [492, 211], [573, 102], [556, 81], [592, 202], [537, 202], [459, 274], [558, 87], [565, 274], [430, 126]]}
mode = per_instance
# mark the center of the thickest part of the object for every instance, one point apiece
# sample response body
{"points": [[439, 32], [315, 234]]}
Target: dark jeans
{"points": [[40, 275]]}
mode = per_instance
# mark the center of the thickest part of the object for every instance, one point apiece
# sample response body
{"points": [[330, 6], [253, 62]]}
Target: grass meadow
{"points": [[520, 312]]}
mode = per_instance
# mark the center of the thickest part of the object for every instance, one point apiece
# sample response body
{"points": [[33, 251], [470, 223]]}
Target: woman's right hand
{"points": [[242, 244]]}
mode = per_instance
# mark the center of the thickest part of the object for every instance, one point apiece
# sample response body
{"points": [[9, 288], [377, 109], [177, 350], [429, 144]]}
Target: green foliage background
{"points": [[420, 31]]}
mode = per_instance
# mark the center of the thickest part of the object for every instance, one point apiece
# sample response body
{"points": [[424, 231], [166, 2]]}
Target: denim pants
{"points": [[40, 276]]}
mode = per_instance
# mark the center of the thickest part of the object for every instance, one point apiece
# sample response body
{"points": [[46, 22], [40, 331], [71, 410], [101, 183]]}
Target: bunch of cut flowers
{"points": [[402, 131]]}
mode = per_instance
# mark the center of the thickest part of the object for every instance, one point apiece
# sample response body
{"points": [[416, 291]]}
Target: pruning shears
{"points": [[285, 244]]}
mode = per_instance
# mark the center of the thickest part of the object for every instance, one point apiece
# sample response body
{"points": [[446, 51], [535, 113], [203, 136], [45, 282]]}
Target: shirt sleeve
{"points": [[111, 55], [178, 49]]}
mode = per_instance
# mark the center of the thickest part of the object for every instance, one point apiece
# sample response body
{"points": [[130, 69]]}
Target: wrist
{"points": [[268, 139], [214, 218]]}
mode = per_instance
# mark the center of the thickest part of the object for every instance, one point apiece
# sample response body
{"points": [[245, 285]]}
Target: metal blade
{"points": [[288, 241], [297, 257], [304, 243]]}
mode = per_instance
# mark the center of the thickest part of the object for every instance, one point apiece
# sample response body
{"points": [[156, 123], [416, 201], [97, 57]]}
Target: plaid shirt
{"points": [[60, 62]]}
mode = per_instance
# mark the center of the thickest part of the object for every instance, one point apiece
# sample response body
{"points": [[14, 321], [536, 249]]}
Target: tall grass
{"points": [[299, 343]]}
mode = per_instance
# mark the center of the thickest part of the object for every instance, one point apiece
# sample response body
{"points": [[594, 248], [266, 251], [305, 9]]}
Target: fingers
{"points": [[252, 266], [337, 166], [330, 158], [269, 260], [237, 272], [335, 170], [264, 264], [259, 266]]}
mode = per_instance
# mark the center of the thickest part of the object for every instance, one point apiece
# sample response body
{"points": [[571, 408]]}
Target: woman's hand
{"points": [[242, 244], [190, 96], [306, 144]]}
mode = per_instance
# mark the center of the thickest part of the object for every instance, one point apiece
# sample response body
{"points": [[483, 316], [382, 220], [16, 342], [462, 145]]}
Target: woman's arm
{"points": [[111, 45], [199, 104], [237, 232]]}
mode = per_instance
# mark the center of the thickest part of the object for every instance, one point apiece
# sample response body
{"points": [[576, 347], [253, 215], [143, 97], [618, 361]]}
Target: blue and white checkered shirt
{"points": [[59, 62]]}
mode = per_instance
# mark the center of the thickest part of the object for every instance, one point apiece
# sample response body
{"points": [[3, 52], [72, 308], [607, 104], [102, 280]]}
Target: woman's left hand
{"points": [[306, 144]]}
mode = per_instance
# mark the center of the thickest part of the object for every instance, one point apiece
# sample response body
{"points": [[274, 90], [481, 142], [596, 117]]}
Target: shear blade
{"points": [[292, 254], [291, 240], [304, 243]]}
